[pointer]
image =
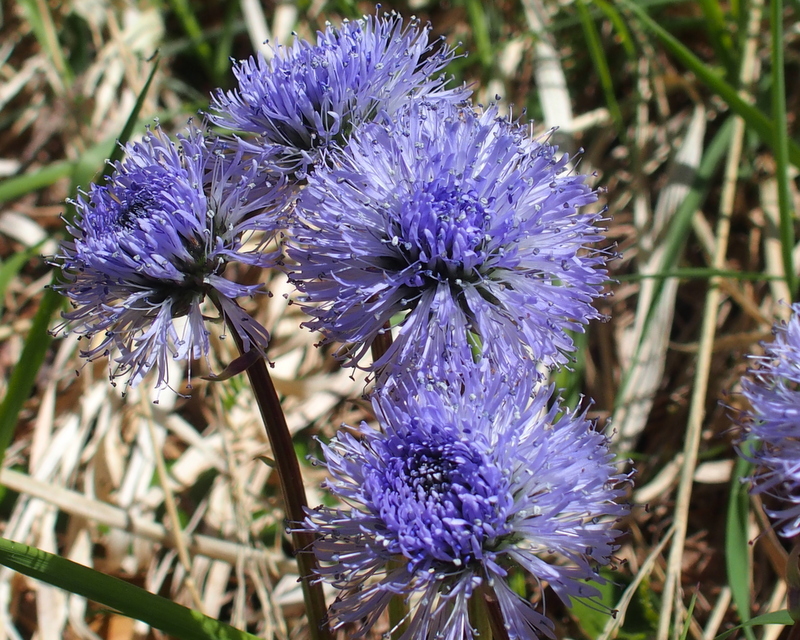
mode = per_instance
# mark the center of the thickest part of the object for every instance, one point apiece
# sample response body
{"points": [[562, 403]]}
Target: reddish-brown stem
{"points": [[381, 343], [294, 494], [498, 627]]}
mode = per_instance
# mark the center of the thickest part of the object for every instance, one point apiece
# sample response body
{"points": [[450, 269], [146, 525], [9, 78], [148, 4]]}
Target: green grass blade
{"points": [[624, 34], [117, 594], [224, 48], [130, 123], [479, 22], [681, 223], [782, 144], [688, 622], [82, 170], [11, 267], [23, 375], [753, 117], [776, 617], [191, 25], [38, 340], [18, 186], [737, 548], [720, 35], [598, 56]]}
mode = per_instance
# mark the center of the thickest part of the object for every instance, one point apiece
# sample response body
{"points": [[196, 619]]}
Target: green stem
{"points": [[294, 493]]}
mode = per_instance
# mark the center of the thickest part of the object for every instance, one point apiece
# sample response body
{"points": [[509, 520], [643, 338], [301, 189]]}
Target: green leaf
{"points": [[719, 34], [781, 145], [128, 599], [688, 622], [737, 548], [612, 15], [13, 188], [23, 375], [11, 267], [191, 25], [776, 617], [480, 32], [592, 614]]}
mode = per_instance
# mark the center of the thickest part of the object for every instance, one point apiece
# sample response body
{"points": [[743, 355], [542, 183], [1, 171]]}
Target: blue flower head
{"points": [[459, 491], [152, 243], [773, 424], [309, 96], [457, 227]]}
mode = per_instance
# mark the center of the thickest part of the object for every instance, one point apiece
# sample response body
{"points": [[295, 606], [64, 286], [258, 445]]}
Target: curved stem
{"points": [[294, 494]]}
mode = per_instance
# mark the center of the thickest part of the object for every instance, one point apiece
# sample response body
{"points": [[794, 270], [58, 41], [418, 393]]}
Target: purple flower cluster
{"points": [[446, 234], [456, 229], [773, 424], [465, 483], [150, 245], [312, 95]]}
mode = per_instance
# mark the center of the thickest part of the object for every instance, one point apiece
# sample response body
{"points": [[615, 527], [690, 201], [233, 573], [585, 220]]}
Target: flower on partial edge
{"points": [[308, 96], [152, 243], [773, 424], [457, 229], [461, 490]]}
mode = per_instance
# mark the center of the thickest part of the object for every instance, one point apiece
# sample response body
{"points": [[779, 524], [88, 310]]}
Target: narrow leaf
{"points": [[737, 548], [116, 594]]}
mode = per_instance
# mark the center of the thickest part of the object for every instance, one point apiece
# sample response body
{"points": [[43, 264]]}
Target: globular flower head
{"points": [[310, 95], [459, 490], [773, 424], [149, 245], [457, 227]]}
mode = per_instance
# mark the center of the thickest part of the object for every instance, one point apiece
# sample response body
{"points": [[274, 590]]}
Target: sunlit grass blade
{"points": [[781, 145], [600, 62], [776, 617], [753, 117], [737, 548], [128, 599], [678, 231]]}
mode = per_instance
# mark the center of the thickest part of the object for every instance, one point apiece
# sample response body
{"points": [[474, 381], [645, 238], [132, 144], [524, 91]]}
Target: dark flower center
{"points": [[441, 498], [139, 202], [443, 233]]}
